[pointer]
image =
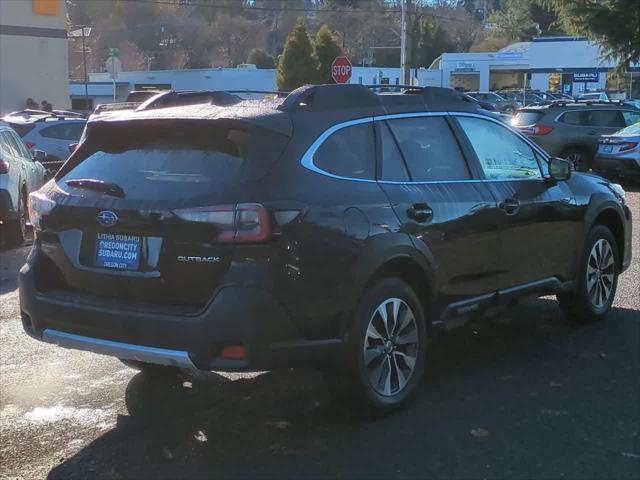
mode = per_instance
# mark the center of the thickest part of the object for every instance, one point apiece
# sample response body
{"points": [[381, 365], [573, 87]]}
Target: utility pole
{"points": [[405, 72]]}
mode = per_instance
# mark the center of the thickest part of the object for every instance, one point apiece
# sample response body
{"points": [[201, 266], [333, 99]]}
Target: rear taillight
{"points": [[628, 146], [39, 206], [29, 145], [241, 223], [4, 166], [537, 129]]}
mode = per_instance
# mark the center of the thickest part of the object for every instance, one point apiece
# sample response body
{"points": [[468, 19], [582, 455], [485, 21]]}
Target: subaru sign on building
{"points": [[591, 77]]}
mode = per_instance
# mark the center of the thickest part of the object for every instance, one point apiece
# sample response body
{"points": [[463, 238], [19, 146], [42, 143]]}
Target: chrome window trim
{"points": [[307, 158]]}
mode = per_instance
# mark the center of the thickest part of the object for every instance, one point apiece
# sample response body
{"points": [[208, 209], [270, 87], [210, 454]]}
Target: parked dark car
{"points": [[618, 155], [528, 98], [337, 227], [571, 129], [500, 103]]}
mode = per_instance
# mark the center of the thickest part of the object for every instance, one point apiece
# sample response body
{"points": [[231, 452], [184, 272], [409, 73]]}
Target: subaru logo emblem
{"points": [[107, 218]]}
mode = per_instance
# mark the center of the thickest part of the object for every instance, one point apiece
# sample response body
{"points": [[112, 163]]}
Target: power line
{"points": [[188, 3], [270, 9]]}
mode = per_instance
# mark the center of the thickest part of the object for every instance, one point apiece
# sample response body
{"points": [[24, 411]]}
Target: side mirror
{"points": [[560, 169], [38, 155]]}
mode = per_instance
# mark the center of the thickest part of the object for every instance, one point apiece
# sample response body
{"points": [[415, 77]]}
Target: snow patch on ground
{"points": [[83, 416]]}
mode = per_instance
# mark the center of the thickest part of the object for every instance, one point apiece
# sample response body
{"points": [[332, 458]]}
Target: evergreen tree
{"points": [[429, 41], [326, 50], [614, 24], [297, 65]]}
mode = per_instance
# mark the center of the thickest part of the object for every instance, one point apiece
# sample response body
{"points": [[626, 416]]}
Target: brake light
{"points": [[537, 129], [4, 166], [39, 206], [29, 145], [234, 352], [628, 146], [241, 223]]}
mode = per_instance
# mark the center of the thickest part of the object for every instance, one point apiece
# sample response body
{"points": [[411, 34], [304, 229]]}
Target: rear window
{"points": [[176, 162], [22, 128], [349, 152], [525, 118]]}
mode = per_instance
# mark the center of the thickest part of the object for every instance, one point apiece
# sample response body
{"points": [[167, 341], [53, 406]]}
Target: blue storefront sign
{"points": [[586, 76]]}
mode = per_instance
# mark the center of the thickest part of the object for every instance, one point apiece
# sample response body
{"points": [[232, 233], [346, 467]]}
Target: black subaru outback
{"points": [[339, 227]]}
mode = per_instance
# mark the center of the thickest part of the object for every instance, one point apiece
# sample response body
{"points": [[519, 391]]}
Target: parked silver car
{"points": [[21, 172], [51, 132], [502, 104], [619, 154]]}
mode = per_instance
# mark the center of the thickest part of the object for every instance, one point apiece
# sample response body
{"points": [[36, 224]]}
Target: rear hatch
{"points": [[151, 211]]}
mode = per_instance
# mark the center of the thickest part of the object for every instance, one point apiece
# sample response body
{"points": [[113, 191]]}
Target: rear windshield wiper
{"points": [[99, 185]]}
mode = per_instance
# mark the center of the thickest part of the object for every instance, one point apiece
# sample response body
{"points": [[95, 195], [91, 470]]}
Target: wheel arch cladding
{"points": [[409, 270], [611, 219]]}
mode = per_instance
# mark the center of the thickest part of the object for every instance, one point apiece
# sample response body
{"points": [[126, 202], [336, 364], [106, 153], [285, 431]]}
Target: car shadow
{"points": [[10, 262], [501, 371]]}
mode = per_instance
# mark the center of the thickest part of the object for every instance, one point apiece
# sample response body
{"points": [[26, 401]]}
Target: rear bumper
{"points": [[617, 167], [127, 351], [237, 315]]}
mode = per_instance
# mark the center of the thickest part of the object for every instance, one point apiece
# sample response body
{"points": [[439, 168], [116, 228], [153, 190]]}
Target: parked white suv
{"points": [[52, 132], [21, 172]]}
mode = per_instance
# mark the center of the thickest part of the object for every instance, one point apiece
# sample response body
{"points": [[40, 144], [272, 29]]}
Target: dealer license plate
{"points": [[118, 251]]}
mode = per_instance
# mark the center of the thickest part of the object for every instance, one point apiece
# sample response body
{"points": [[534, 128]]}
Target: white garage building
{"points": [[570, 63]]}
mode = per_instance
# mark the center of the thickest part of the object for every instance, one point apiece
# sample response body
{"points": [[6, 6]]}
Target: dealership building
{"points": [[572, 64], [33, 53]]}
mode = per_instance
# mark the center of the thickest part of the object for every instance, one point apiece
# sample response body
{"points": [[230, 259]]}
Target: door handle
{"points": [[420, 212], [509, 205]]}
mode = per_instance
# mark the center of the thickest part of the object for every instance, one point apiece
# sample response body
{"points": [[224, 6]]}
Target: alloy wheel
{"points": [[391, 347], [600, 273]]}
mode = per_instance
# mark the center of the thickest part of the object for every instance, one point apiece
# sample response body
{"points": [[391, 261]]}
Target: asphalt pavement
{"points": [[524, 395]]}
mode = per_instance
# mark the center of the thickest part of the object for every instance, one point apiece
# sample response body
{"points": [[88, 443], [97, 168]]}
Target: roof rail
{"points": [[43, 114], [173, 98], [277, 93], [68, 113], [336, 96]]}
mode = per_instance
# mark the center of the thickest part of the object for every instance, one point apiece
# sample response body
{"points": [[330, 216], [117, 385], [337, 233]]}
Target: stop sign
{"points": [[341, 69]]}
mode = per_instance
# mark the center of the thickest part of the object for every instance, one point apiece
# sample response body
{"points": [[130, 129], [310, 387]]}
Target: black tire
{"points": [[17, 229], [579, 157], [390, 355], [151, 368], [581, 306]]}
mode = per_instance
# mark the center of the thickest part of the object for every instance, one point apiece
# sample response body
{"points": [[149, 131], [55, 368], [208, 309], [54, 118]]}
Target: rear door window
{"points": [[502, 153], [348, 152], [64, 131], [525, 118], [429, 149], [174, 162], [605, 118], [574, 118], [393, 167]]}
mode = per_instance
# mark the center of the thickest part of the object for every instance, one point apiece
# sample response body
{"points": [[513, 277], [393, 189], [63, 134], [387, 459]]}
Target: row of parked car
{"points": [[33, 146], [602, 136]]}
